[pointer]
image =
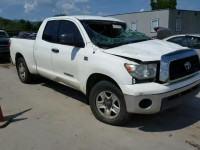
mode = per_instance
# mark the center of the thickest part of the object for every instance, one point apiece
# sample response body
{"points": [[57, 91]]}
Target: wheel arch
{"points": [[94, 78], [18, 55]]}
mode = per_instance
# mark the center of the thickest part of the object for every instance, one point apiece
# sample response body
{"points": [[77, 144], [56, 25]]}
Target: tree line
{"points": [[21, 25], [18, 25], [163, 4]]}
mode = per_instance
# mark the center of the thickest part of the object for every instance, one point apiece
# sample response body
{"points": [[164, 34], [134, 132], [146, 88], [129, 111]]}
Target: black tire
{"points": [[27, 77], [96, 91]]}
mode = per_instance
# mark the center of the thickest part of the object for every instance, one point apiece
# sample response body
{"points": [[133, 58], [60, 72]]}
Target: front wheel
{"points": [[107, 103], [22, 70]]}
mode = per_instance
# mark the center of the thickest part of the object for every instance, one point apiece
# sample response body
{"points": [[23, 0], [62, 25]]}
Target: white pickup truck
{"points": [[120, 71]]}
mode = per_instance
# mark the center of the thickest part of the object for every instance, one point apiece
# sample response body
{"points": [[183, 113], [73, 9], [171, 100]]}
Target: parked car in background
{"points": [[120, 71], [32, 36], [186, 40], [25, 34], [13, 33], [4, 45]]}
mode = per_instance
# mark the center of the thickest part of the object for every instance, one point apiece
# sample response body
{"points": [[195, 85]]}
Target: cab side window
{"points": [[50, 31], [70, 30]]}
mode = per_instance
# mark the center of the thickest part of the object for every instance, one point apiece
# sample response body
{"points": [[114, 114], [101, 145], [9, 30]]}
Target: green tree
{"points": [[153, 4], [22, 21], [38, 24], [163, 4], [61, 14], [28, 26], [18, 25], [172, 4]]}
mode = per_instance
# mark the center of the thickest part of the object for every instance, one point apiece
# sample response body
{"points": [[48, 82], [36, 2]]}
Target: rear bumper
{"points": [[162, 100]]}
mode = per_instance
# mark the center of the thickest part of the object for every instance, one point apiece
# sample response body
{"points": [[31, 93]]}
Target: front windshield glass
{"points": [[3, 35], [107, 34]]}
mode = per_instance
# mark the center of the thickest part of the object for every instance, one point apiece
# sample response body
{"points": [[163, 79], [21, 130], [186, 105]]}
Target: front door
{"points": [[67, 59]]}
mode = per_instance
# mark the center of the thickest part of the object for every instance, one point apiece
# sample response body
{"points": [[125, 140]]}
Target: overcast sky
{"points": [[35, 10]]}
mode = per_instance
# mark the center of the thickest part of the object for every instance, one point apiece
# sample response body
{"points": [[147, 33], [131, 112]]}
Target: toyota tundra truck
{"points": [[120, 71]]}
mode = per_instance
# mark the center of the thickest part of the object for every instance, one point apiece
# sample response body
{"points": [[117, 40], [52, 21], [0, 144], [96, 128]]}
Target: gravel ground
{"points": [[50, 116]]}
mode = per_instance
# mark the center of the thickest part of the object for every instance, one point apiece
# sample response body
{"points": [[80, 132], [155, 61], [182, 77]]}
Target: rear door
{"points": [[68, 59], [43, 49]]}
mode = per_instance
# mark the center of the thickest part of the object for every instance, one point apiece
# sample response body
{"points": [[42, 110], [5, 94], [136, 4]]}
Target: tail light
{"points": [[9, 43]]}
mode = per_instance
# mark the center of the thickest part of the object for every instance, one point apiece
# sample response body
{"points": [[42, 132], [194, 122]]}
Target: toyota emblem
{"points": [[187, 65]]}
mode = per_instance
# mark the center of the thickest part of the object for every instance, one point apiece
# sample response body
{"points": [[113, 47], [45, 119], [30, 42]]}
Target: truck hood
{"points": [[151, 50]]}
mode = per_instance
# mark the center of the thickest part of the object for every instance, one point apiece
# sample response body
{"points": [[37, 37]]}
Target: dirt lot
{"points": [[50, 116]]}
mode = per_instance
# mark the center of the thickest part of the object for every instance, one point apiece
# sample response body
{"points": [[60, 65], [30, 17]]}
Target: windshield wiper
{"points": [[142, 40]]}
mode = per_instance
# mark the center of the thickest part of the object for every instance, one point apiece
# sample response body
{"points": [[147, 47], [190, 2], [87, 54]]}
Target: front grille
{"points": [[183, 67]]}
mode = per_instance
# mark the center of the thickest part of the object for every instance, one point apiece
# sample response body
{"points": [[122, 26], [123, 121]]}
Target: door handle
{"points": [[55, 50]]}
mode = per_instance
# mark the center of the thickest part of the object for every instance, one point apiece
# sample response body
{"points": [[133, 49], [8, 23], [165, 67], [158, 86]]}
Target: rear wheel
{"points": [[23, 72], [107, 103]]}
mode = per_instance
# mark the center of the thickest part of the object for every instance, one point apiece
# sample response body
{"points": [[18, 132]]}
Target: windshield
{"points": [[108, 34], [3, 34]]}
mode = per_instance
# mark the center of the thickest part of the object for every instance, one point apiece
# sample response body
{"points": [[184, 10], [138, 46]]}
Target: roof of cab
{"points": [[86, 18]]}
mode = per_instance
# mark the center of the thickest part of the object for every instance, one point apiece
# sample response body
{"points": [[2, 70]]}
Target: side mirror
{"points": [[69, 39]]}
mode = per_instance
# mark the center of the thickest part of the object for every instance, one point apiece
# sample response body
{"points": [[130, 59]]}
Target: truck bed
{"points": [[24, 47]]}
